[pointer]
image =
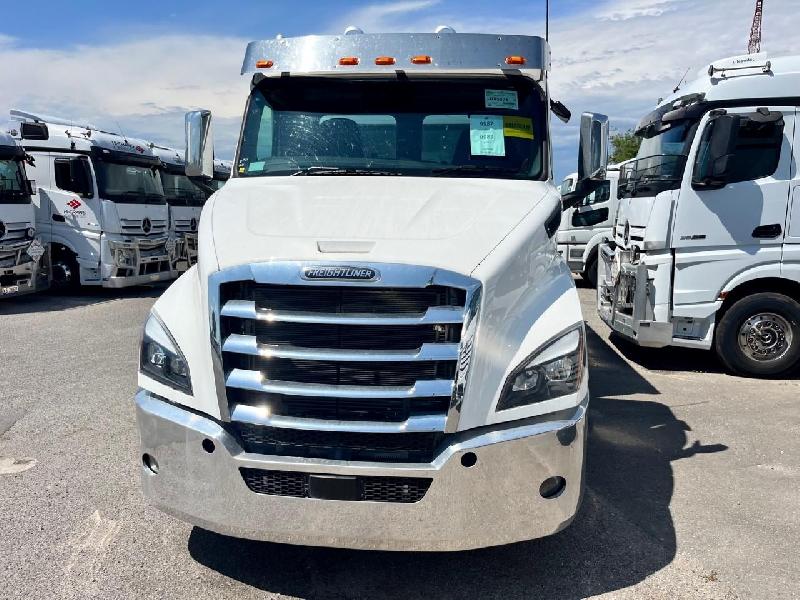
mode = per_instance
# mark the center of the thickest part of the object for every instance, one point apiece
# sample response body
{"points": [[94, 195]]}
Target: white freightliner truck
{"points": [[185, 201], [22, 269], [587, 223], [99, 203], [706, 250], [379, 346]]}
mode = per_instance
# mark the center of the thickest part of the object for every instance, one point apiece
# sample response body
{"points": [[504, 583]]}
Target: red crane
{"points": [[754, 47]]}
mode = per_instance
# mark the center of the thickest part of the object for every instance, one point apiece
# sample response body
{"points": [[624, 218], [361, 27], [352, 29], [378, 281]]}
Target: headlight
{"points": [[160, 357], [554, 370]]}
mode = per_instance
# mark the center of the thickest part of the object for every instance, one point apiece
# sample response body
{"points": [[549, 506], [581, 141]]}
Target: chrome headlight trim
{"points": [[538, 362], [158, 344]]}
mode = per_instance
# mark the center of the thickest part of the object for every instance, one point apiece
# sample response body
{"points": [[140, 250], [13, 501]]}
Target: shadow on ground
{"points": [[623, 533], [50, 301]]}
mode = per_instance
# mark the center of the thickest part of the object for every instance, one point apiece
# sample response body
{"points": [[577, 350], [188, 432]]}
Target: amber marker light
{"points": [[385, 60], [348, 61], [515, 60], [422, 59], [264, 64]]}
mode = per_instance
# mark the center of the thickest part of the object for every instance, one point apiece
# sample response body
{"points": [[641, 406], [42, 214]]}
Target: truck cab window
{"points": [[72, 175], [757, 151], [417, 127]]}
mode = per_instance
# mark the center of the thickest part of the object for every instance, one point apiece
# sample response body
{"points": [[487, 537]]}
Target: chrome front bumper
{"points": [[17, 276], [622, 301], [495, 501], [135, 262]]}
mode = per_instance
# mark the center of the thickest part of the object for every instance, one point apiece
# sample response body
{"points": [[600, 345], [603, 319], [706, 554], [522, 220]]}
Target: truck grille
{"points": [[294, 484], [339, 445], [363, 371]]}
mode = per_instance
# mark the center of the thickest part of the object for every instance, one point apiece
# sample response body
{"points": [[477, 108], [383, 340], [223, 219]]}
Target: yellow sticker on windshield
{"points": [[520, 127]]}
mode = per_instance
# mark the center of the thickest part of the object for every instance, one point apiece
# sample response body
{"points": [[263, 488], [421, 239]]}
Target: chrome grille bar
{"points": [[260, 416], [247, 309], [256, 382], [247, 344]]}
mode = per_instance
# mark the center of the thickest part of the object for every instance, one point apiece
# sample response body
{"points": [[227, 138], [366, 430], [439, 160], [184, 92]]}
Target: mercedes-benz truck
{"points": [[379, 346], [587, 223], [185, 201], [706, 249], [100, 207], [22, 267]]}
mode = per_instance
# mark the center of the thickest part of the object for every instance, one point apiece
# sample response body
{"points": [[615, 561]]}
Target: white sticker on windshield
{"points": [[486, 135], [501, 99]]}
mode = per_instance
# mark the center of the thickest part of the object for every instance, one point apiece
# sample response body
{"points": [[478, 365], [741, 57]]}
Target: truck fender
{"points": [[593, 245]]}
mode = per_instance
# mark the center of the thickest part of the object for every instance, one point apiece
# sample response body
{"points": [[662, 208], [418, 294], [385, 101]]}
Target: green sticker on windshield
{"points": [[486, 135], [256, 166], [501, 99]]}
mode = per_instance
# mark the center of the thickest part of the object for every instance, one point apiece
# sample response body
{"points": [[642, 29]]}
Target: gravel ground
{"points": [[693, 478]]}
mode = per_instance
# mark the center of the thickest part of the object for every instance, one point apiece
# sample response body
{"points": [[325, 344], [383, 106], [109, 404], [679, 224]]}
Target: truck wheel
{"points": [[590, 271], [760, 335], [66, 274]]}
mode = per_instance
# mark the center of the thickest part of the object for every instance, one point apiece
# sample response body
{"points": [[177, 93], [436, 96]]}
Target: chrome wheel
{"points": [[765, 337]]}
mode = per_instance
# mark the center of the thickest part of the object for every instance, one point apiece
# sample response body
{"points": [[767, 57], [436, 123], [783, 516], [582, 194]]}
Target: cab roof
{"points": [[444, 51], [754, 76], [65, 134]]}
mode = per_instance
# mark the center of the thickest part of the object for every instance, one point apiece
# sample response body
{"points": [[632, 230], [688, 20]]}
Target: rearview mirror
{"points": [[592, 158], [711, 168], [199, 144], [593, 147]]}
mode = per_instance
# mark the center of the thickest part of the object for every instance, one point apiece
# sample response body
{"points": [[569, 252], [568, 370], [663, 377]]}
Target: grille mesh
{"points": [[404, 490], [338, 445]]}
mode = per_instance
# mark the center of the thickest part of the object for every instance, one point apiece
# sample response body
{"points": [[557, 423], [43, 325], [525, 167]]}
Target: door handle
{"points": [[59, 219], [767, 232]]}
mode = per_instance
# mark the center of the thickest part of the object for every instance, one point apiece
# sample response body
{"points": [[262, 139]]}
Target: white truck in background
{"points": [[22, 269], [185, 201], [99, 202], [587, 223], [380, 346], [222, 172], [706, 249]]}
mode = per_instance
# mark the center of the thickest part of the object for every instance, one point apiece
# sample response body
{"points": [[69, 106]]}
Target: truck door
{"points": [[720, 233], [791, 249], [593, 212]]}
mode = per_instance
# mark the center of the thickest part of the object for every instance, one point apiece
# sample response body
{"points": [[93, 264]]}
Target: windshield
{"points": [[180, 191], [660, 162], [13, 189], [492, 127], [129, 183]]}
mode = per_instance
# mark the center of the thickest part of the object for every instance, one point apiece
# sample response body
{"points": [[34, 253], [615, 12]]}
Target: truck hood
{"points": [[440, 222]]}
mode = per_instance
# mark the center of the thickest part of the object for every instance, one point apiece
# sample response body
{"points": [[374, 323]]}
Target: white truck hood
{"points": [[441, 222]]}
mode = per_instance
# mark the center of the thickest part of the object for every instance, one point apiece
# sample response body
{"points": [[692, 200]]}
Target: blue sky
{"points": [[139, 66]]}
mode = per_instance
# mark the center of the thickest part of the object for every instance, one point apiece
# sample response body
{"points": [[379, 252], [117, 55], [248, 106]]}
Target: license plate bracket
{"points": [[334, 487]]}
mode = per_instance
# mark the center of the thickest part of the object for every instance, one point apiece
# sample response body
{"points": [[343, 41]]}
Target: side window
{"points": [[72, 175], [758, 150], [755, 154], [601, 194]]}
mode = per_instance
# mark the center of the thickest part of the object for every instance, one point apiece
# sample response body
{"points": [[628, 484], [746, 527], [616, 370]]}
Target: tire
{"points": [[759, 335], [66, 273], [590, 271]]}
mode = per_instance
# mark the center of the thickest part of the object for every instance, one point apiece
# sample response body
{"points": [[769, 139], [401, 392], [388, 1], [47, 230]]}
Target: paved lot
{"points": [[693, 485]]}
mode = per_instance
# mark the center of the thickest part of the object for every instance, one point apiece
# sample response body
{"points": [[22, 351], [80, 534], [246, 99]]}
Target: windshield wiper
{"points": [[474, 169], [342, 171]]}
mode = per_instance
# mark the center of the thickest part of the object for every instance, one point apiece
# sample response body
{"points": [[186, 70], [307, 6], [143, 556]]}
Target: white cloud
{"points": [[142, 86]]}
